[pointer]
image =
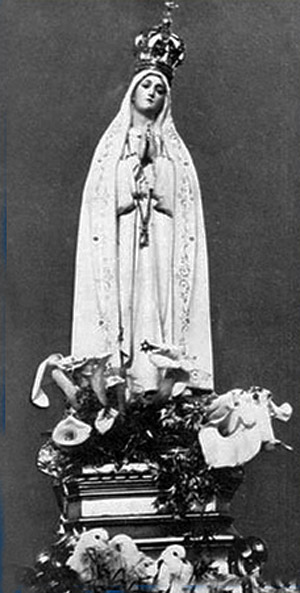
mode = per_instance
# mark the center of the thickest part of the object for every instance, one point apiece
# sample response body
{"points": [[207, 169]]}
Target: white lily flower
{"points": [[105, 420], [71, 432]]}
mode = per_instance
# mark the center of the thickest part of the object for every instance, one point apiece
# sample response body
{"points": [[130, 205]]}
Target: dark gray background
{"points": [[236, 104]]}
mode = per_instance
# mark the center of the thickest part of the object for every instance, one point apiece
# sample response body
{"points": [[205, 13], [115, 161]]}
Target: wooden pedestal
{"points": [[123, 503]]}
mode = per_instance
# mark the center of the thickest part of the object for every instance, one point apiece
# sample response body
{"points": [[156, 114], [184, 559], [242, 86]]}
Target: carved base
{"points": [[123, 502]]}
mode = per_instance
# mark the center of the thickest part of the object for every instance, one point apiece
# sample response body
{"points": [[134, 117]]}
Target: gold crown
{"points": [[159, 48]]}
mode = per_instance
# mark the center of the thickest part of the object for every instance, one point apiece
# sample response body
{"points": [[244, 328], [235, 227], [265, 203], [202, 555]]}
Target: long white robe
{"points": [[125, 294]]}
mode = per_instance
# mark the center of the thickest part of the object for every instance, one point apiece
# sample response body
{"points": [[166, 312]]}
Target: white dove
{"points": [[174, 571], [80, 562], [128, 550], [145, 570]]}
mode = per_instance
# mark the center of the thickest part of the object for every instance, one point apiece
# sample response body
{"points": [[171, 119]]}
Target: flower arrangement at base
{"points": [[194, 442], [110, 423], [92, 562]]}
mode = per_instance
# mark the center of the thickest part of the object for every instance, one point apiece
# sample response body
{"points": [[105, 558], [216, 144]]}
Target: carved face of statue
{"points": [[149, 95]]}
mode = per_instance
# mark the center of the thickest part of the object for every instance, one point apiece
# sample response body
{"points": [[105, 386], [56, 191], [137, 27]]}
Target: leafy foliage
{"points": [[165, 438]]}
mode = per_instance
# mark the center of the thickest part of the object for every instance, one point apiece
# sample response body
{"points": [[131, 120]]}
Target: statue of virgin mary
{"points": [[141, 266]]}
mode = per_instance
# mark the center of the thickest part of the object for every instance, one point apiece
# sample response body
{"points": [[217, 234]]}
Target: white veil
{"points": [[96, 304]]}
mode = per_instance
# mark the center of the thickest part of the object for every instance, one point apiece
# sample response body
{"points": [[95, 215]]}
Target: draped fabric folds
{"points": [[125, 293]]}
